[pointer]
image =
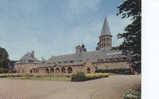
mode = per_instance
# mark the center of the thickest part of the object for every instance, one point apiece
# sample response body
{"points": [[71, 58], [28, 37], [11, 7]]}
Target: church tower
{"points": [[105, 39]]}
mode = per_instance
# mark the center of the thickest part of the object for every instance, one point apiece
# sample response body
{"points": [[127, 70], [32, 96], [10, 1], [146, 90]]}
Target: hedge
{"points": [[80, 76], [117, 71]]}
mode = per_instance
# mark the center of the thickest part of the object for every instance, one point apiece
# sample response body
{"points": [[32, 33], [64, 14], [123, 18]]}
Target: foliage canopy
{"points": [[131, 45], [4, 60]]}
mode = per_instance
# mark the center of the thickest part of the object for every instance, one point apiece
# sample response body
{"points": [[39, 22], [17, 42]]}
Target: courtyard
{"points": [[112, 87]]}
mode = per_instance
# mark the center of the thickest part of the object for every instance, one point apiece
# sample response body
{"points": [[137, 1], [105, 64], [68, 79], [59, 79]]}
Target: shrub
{"points": [[117, 71], [80, 76], [133, 94]]}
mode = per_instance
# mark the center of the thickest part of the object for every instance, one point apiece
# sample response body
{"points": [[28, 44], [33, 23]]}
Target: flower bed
{"points": [[133, 94], [96, 75]]}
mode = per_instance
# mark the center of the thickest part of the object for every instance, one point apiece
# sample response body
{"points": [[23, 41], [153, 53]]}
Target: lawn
{"points": [[52, 78], [26, 76]]}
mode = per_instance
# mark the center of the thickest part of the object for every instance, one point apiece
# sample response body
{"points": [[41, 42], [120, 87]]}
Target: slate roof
{"points": [[92, 56], [29, 58]]}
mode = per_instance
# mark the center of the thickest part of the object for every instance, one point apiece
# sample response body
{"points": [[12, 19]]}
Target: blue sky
{"points": [[55, 27]]}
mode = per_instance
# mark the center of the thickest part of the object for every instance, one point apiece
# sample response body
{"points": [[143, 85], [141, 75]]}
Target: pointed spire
{"points": [[105, 29]]}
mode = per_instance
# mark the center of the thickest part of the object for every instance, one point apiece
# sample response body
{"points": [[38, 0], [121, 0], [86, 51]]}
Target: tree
{"points": [[131, 45], [4, 60]]}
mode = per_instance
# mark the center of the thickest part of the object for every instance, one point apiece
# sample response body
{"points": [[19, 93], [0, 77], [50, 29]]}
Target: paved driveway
{"points": [[112, 87]]}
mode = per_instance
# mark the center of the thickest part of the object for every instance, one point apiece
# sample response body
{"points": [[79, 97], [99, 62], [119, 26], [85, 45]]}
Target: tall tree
{"points": [[4, 60], [131, 45]]}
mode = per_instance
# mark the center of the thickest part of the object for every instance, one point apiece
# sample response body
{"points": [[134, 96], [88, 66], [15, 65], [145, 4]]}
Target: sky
{"points": [[55, 27]]}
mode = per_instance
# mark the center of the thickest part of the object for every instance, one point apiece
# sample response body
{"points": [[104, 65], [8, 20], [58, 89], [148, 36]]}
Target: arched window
{"points": [[47, 70], [63, 70], [57, 70], [30, 71], [52, 70], [69, 69], [88, 70], [36, 70]]}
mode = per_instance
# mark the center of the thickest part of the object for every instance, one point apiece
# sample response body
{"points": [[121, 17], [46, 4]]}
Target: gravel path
{"points": [[112, 87]]}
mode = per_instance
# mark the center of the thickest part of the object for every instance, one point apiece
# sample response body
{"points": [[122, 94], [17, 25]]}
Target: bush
{"points": [[80, 76], [117, 71], [133, 94]]}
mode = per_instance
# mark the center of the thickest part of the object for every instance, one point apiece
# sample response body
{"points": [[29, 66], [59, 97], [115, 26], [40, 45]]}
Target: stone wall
{"points": [[87, 67], [25, 67]]}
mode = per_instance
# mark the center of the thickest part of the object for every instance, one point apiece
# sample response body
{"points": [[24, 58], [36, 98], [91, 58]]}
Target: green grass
{"points": [[46, 78], [5, 75]]}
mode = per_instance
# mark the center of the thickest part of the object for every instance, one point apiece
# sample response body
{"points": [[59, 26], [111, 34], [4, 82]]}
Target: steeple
{"points": [[105, 29], [105, 39]]}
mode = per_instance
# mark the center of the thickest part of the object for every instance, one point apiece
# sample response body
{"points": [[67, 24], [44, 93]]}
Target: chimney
{"points": [[80, 49]]}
